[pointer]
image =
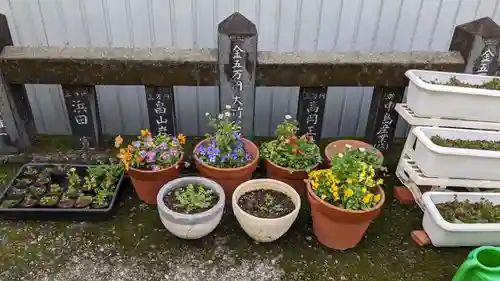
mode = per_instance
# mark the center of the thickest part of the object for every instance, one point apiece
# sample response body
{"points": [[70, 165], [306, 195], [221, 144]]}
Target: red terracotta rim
{"points": [[330, 206], [329, 156], [181, 157], [254, 161], [289, 169]]}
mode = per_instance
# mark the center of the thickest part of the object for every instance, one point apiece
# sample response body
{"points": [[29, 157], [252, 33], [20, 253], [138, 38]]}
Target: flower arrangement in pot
{"points": [[191, 207], [151, 162], [289, 158], [265, 208], [226, 156], [340, 146], [346, 198]]}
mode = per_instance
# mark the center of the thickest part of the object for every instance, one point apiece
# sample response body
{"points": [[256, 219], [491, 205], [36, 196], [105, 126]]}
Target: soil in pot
{"points": [[29, 201], [493, 84], [467, 212], [83, 201], [191, 199], [470, 144], [48, 201], [266, 203]]}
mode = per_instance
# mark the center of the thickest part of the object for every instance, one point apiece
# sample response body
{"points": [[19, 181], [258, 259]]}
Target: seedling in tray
{"points": [[29, 201], [48, 201]]}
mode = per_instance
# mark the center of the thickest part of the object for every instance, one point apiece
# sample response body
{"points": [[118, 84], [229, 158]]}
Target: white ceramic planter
{"points": [[445, 234], [450, 162], [261, 229], [431, 100], [190, 226]]}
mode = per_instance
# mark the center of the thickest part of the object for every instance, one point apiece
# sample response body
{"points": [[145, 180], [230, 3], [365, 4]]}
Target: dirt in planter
{"points": [[191, 199], [265, 203], [466, 212], [493, 84], [470, 144]]}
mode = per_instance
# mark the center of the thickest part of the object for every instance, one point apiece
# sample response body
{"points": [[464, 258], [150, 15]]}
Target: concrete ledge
{"points": [[168, 67]]}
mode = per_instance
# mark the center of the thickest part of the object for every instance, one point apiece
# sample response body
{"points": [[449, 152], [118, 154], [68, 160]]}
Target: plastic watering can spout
{"points": [[482, 264]]}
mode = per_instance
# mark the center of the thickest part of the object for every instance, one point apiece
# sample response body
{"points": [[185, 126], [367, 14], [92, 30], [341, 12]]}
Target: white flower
{"points": [[227, 113], [348, 146], [341, 155], [288, 117], [72, 169], [362, 149], [220, 116], [228, 106], [206, 113]]}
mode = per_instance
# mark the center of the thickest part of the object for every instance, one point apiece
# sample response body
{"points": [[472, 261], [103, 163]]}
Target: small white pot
{"points": [[190, 226], [445, 234], [433, 100], [263, 229], [450, 162]]}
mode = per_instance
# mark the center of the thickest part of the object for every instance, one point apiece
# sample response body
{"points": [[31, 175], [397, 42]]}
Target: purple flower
{"points": [[248, 156], [162, 145], [151, 156], [173, 151], [155, 168], [142, 153], [211, 158], [237, 135], [136, 144], [164, 155]]}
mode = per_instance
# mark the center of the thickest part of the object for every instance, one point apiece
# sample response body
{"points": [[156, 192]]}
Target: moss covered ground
{"points": [[134, 245]]}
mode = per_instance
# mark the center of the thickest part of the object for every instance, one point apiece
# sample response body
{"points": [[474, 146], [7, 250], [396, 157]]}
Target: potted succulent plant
{"points": [[345, 198], [191, 207], [226, 156], [151, 162], [289, 158], [265, 208]]}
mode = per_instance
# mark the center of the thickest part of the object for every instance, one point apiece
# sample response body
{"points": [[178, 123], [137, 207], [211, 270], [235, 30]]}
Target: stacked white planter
{"points": [[452, 113]]}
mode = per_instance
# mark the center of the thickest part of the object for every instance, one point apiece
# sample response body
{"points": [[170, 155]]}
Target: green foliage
{"points": [[493, 84], [73, 179], [470, 144], [467, 212], [289, 151], [194, 197], [55, 188]]}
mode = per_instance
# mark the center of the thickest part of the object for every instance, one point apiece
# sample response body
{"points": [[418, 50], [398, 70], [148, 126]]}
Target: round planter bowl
{"points": [[190, 226], [263, 229], [339, 146], [229, 178], [148, 183]]}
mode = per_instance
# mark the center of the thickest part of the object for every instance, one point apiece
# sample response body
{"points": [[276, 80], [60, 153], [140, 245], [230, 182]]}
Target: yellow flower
{"points": [[145, 132], [336, 196], [380, 182], [323, 197], [364, 189], [348, 181], [368, 198], [348, 192], [181, 138], [376, 198], [334, 187], [118, 141], [314, 185]]}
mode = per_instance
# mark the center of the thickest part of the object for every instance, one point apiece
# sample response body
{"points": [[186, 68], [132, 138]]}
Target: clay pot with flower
{"points": [[151, 162], [289, 158], [345, 198], [226, 156]]}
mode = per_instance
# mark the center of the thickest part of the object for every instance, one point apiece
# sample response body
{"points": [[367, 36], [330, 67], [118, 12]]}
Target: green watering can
{"points": [[482, 264]]}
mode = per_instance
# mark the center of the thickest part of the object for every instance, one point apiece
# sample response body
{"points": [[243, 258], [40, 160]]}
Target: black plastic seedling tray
{"points": [[42, 213]]}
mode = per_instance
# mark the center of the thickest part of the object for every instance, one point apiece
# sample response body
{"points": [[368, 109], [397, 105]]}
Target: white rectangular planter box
{"points": [[445, 234], [431, 100], [449, 162]]}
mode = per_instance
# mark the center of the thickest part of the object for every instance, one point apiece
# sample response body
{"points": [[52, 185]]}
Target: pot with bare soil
{"points": [[265, 208], [191, 207], [289, 158]]}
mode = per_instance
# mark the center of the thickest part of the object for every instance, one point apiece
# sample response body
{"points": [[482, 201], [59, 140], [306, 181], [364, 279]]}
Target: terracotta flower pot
{"points": [[229, 178], [338, 228], [294, 178], [339, 147], [147, 184]]}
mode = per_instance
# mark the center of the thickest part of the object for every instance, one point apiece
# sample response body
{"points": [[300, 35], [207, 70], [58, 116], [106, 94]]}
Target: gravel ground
{"points": [[135, 246]]}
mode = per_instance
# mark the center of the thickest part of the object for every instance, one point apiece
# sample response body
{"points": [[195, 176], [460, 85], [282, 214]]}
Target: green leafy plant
{"points": [[470, 144], [74, 181], [101, 199], [55, 188], [271, 204], [49, 200], [225, 147], [468, 212], [493, 84], [30, 172], [352, 181], [193, 197], [290, 151]]}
